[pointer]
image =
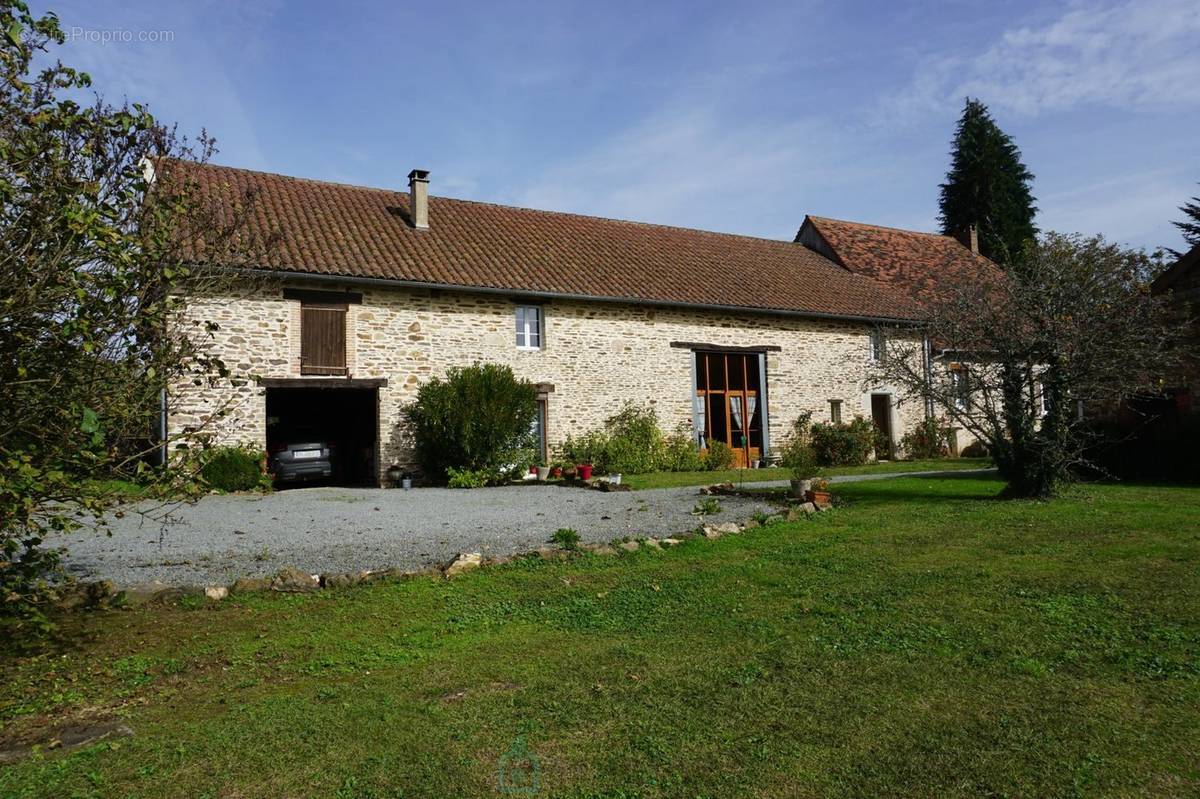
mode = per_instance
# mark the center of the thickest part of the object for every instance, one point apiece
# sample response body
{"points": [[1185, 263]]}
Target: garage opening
{"points": [[325, 436]]}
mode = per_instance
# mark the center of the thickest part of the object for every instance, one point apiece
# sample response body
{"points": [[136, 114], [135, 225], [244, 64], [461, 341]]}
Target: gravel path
{"points": [[221, 538]]}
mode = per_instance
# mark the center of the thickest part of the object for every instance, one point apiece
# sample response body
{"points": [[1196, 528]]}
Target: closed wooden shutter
{"points": [[323, 339]]}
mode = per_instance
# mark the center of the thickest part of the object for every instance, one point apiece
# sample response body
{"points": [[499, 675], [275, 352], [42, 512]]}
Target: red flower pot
{"points": [[585, 471], [556, 472]]}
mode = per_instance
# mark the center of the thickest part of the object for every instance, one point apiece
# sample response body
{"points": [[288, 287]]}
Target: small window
{"points": [[529, 327], [835, 411], [878, 346], [960, 387], [539, 431]]}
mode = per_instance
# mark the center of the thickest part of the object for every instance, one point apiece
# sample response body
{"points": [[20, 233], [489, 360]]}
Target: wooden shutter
{"points": [[323, 339]]}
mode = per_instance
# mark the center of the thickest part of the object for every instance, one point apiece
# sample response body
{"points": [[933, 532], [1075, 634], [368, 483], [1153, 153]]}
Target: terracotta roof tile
{"points": [[923, 265], [351, 231]]}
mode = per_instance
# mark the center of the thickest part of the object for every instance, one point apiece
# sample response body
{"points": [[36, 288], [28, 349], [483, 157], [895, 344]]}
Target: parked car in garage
{"points": [[300, 456]]}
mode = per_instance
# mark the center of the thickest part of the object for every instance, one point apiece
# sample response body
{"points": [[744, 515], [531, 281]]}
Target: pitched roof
{"points": [[1186, 263], [356, 232], [926, 266]]}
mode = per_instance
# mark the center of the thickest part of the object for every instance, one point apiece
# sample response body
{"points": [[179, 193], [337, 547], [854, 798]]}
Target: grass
{"points": [[925, 639], [124, 490], [675, 479]]}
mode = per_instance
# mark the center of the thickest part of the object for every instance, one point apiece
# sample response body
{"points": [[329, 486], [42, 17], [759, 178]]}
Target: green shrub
{"points": [[470, 478], [929, 438], [565, 537], [233, 468], [635, 441], [707, 507], [680, 453], [976, 449], [798, 454], [717, 456], [848, 444], [477, 419], [590, 448]]}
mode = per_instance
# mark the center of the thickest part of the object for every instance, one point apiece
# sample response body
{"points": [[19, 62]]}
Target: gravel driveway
{"points": [[321, 530], [318, 530]]}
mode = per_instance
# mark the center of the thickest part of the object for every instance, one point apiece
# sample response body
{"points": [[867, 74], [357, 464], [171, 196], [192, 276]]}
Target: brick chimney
{"points": [[418, 198], [969, 238]]}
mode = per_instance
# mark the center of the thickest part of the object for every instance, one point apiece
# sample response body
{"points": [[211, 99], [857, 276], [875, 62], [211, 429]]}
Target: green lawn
{"points": [[675, 479], [925, 639]]}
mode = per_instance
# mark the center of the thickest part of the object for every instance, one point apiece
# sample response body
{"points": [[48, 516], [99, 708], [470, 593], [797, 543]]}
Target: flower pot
{"points": [[800, 488], [585, 471], [569, 472], [615, 479], [822, 498], [406, 483], [394, 474], [556, 472], [543, 473]]}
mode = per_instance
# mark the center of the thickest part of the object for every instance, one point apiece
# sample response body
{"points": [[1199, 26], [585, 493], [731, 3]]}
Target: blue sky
{"points": [[737, 117]]}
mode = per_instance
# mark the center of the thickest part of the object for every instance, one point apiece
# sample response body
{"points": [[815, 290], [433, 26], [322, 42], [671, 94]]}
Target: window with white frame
{"points": [[529, 327], [960, 387], [878, 345]]}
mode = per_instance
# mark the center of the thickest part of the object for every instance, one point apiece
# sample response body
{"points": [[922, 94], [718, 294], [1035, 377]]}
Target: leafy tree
{"points": [[90, 274], [1019, 353], [478, 419], [1190, 226], [987, 186]]}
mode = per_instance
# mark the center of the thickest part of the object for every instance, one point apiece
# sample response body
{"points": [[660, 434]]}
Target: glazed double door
{"points": [[729, 403]]}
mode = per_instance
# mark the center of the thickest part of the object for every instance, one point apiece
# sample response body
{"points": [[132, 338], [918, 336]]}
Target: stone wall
{"points": [[597, 355]]}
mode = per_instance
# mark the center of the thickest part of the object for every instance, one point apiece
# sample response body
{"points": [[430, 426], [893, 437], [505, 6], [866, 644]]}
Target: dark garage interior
{"points": [[343, 418]]}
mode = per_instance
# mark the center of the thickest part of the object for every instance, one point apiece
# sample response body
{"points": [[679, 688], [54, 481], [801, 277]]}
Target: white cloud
{"points": [[1134, 54], [700, 166]]}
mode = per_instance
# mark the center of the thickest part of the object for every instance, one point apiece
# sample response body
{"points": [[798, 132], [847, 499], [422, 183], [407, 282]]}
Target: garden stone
{"points": [[801, 511], [729, 528], [216, 592], [292, 580], [750, 525], [246, 585], [711, 531], [343, 579], [143, 592], [629, 546], [653, 543], [464, 562], [670, 542]]}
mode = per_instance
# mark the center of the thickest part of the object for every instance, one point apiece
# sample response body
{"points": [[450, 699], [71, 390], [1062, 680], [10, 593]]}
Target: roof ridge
{"points": [[882, 227], [598, 218]]}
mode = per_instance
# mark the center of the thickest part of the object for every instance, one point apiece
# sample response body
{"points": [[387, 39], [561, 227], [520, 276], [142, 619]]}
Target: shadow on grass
{"points": [[942, 488]]}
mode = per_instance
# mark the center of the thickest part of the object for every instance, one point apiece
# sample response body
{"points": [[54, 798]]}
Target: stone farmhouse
{"points": [[370, 292]]}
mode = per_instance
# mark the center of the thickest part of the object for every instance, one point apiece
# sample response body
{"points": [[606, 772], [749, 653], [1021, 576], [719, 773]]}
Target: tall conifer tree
{"points": [[987, 186]]}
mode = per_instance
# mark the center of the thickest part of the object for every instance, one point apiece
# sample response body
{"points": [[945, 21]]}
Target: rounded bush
{"points": [[232, 468], [477, 420]]}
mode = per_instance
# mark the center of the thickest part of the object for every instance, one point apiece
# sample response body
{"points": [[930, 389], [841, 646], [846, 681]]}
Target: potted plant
{"points": [[819, 494], [543, 473], [394, 473], [801, 460], [556, 471], [585, 471], [569, 472]]}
